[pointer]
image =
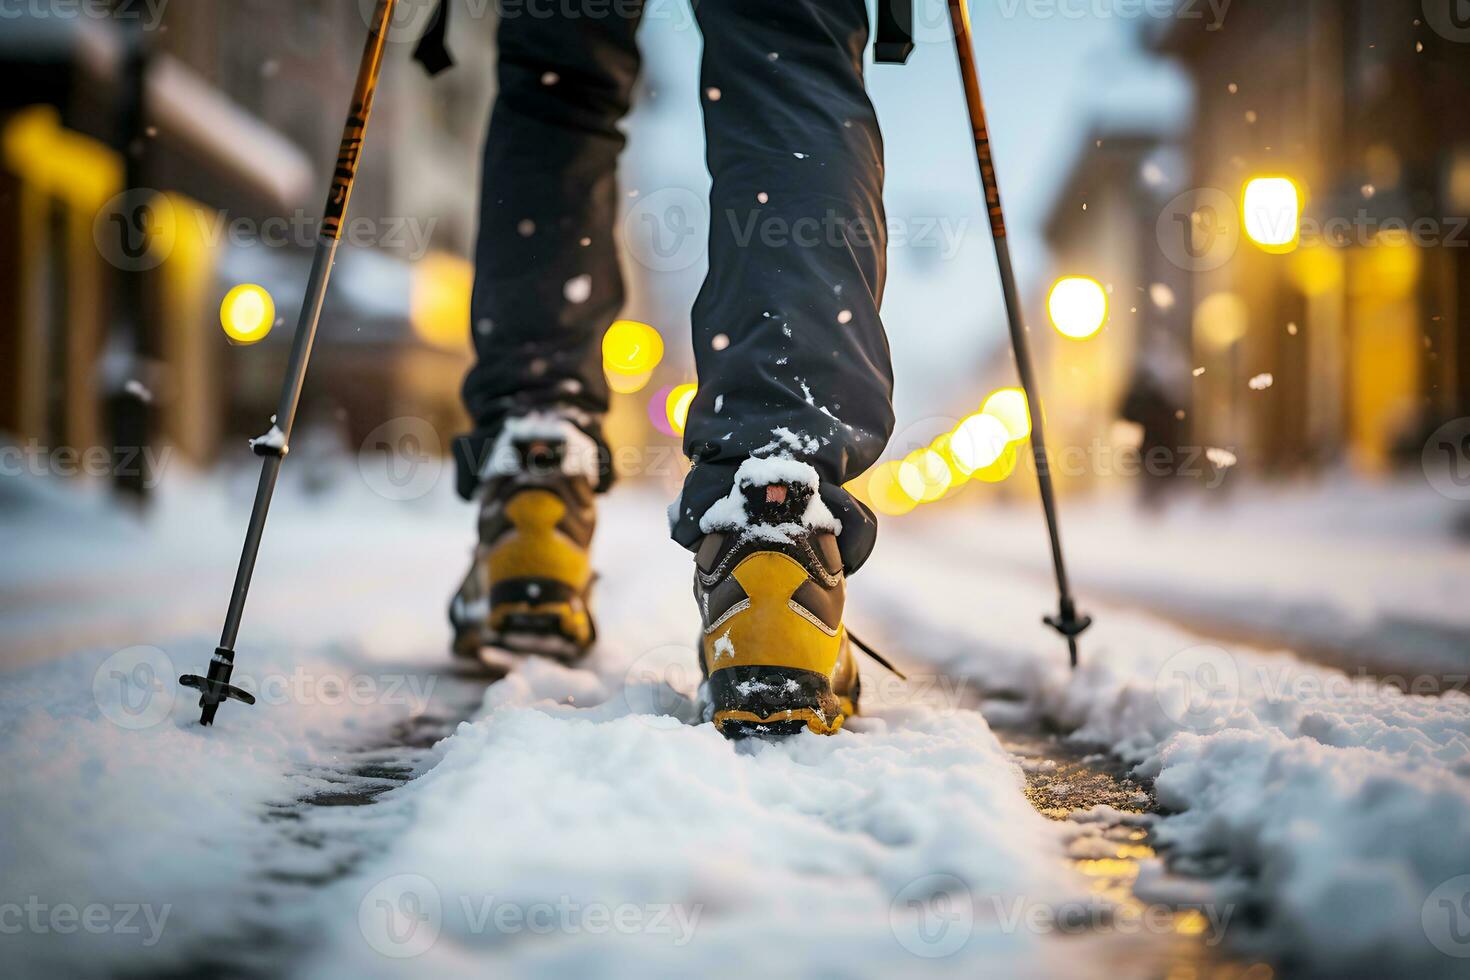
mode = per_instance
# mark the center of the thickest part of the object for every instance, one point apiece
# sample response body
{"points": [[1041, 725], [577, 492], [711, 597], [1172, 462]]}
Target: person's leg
{"points": [[547, 280], [790, 350], [547, 284]]}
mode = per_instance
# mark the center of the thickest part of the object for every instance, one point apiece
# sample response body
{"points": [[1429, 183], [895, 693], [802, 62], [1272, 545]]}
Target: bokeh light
{"points": [[1271, 209], [999, 470], [247, 314], [926, 478], [631, 348], [627, 384], [439, 300], [886, 490], [1008, 405], [676, 406], [1078, 307], [979, 441]]}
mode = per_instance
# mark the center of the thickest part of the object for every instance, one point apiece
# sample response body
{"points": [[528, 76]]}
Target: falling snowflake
{"points": [[801, 156], [1222, 458], [484, 326], [139, 391], [577, 288], [712, 93], [1291, 328], [845, 316], [550, 78], [1261, 381], [720, 341], [763, 197], [585, 241], [1162, 296], [1198, 371], [526, 227], [719, 403]]}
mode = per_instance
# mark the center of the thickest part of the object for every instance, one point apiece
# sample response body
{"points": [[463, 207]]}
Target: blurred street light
{"points": [[439, 300], [1271, 209], [247, 314], [886, 490], [630, 352], [931, 472], [979, 441], [1009, 406], [677, 406], [1078, 307]]}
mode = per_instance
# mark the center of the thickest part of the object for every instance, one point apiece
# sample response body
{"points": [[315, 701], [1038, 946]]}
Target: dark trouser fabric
{"points": [[788, 343]]}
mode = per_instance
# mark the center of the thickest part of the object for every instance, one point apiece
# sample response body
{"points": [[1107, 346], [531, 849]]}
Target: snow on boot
{"points": [[527, 590], [769, 582]]}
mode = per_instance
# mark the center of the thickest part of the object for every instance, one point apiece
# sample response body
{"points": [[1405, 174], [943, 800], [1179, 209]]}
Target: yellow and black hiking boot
{"points": [[528, 587], [769, 582]]}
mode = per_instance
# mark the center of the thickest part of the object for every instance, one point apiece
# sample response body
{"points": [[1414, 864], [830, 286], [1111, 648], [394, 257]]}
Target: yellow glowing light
{"points": [[999, 470], [979, 441], [627, 384], [1394, 262], [1317, 269], [926, 478], [677, 406], [1221, 320], [944, 446], [247, 314], [887, 492], [631, 348], [1078, 307], [439, 300], [1271, 208], [1009, 406]]}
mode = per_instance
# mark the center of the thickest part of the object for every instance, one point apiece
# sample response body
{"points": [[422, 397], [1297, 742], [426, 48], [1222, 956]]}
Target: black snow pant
{"points": [[789, 348]]}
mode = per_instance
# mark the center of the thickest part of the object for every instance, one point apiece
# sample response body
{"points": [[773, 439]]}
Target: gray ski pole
{"points": [[215, 687], [1066, 622]]}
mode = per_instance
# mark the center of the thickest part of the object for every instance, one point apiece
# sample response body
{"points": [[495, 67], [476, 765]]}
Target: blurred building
{"points": [[1349, 346], [227, 115]]}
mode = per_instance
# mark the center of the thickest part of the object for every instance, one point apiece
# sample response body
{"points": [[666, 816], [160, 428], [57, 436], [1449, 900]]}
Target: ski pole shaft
{"points": [[273, 448], [1067, 621]]}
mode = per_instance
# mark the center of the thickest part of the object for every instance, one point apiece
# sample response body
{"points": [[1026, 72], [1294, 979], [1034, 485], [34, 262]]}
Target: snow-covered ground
{"points": [[579, 821], [1360, 574]]}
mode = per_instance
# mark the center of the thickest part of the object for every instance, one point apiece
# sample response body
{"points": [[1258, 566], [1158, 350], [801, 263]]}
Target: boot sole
{"points": [[775, 702]]}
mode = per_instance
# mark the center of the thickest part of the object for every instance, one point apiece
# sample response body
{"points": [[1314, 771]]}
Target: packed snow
{"points": [[581, 819]]}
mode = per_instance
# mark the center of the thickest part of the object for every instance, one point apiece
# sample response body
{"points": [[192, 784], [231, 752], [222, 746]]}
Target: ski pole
{"points": [[1066, 622], [273, 446]]}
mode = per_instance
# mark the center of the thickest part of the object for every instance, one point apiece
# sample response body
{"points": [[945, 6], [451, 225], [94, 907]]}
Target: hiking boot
{"points": [[528, 588], [770, 587]]}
